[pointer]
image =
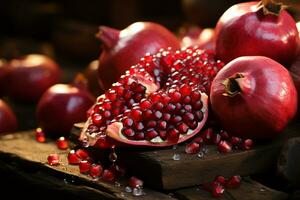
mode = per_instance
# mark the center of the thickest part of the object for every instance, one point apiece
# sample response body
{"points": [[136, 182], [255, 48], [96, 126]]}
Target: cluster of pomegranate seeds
{"points": [[53, 159], [218, 185], [62, 143], [40, 135]]}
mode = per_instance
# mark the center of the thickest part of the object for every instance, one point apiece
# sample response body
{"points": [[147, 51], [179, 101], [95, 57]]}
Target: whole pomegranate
{"points": [[8, 120], [159, 101], [91, 74], [30, 76], [254, 96], [257, 29], [122, 49], [61, 106], [3, 77]]}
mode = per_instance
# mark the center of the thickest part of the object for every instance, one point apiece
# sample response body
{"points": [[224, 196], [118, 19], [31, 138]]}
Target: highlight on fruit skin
{"points": [[8, 120], [253, 97]]}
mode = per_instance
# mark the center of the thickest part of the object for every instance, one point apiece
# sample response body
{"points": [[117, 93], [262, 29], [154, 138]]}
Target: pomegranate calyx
{"points": [[232, 85], [271, 7], [80, 81], [108, 36]]}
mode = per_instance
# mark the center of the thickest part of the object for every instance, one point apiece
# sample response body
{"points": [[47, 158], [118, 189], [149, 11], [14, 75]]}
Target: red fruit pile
{"points": [[160, 101]]}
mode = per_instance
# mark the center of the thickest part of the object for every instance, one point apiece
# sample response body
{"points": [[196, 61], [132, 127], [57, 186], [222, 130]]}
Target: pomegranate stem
{"points": [[232, 87], [271, 7]]}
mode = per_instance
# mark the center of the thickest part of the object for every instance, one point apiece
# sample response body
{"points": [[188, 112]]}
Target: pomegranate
{"points": [[158, 102], [53, 159], [203, 39], [62, 143], [91, 73], [61, 106], [30, 76], [254, 96], [8, 120], [122, 49], [257, 29], [3, 77]]}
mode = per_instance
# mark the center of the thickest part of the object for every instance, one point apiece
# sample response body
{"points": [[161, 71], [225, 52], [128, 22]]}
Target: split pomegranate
{"points": [[257, 29], [122, 49], [30, 76], [8, 120], [158, 102], [253, 97], [3, 77], [61, 106]]}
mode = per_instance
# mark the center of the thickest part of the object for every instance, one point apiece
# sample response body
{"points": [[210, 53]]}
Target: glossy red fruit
{"points": [[40, 135], [247, 144], [192, 148], [108, 175], [4, 71], [95, 171], [118, 55], [53, 159], [61, 106], [8, 120], [91, 74], [82, 154], [254, 97], [30, 76], [217, 191], [255, 29], [224, 147], [73, 159], [84, 166], [62, 143], [234, 182], [203, 38], [221, 180], [135, 182]]}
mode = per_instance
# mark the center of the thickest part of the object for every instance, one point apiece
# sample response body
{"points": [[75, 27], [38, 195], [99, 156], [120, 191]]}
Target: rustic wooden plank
{"points": [[22, 150], [249, 190]]}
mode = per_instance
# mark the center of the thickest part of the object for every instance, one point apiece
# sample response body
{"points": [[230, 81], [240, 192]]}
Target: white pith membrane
{"points": [[185, 63]]}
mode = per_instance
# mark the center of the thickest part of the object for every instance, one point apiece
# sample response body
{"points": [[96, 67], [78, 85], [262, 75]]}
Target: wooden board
{"points": [[159, 170], [22, 155], [249, 190]]}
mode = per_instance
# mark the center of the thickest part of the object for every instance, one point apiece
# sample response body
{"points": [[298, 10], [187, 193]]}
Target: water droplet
{"points": [[262, 189], [200, 154], [174, 147], [128, 189], [176, 156], [117, 184], [138, 191]]}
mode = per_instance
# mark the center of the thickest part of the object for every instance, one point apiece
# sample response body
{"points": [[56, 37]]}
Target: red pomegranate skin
{"points": [[8, 120], [244, 30], [30, 76], [3, 77], [122, 49], [60, 107], [266, 103]]}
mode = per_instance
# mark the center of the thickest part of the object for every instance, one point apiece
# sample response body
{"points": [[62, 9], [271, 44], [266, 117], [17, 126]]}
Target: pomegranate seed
{"points": [[62, 143], [107, 114], [139, 126], [234, 181], [176, 119], [73, 158], [235, 141], [224, 147], [128, 132], [198, 140], [166, 116], [170, 107], [197, 105], [84, 166], [247, 144], [95, 170], [145, 104], [148, 114], [224, 135], [207, 135], [158, 106], [136, 115], [192, 148], [97, 119], [53, 159], [187, 117], [220, 179], [185, 90], [174, 95], [127, 122], [157, 115], [108, 175], [40, 135], [183, 128], [139, 136], [135, 182], [173, 135], [151, 134], [217, 191], [82, 154]]}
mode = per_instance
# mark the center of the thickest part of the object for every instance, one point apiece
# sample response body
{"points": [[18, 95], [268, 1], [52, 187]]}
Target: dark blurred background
{"points": [[66, 29]]}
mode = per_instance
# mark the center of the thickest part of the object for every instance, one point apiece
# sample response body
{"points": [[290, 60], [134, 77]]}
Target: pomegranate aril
{"points": [[198, 140], [192, 148], [157, 115], [151, 124], [53, 159], [139, 136], [217, 191], [40, 135], [224, 134], [135, 182], [173, 134], [187, 117], [185, 90], [84, 166], [176, 119], [224, 147], [162, 125], [207, 135], [128, 132], [108, 175], [221, 180], [234, 181], [136, 115], [139, 126], [145, 104], [73, 159], [151, 134], [174, 95], [235, 141], [62, 143], [95, 170], [127, 122], [82, 154], [166, 116], [182, 128], [199, 115], [247, 144]]}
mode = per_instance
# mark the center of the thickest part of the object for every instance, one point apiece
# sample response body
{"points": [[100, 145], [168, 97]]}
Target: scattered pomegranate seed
{"points": [[217, 191], [82, 154], [234, 182], [95, 170], [224, 147], [198, 140], [207, 135], [62, 143], [135, 182], [53, 159], [224, 134], [73, 159], [84, 166], [40, 135], [108, 175], [192, 148], [221, 180], [247, 144], [235, 141]]}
